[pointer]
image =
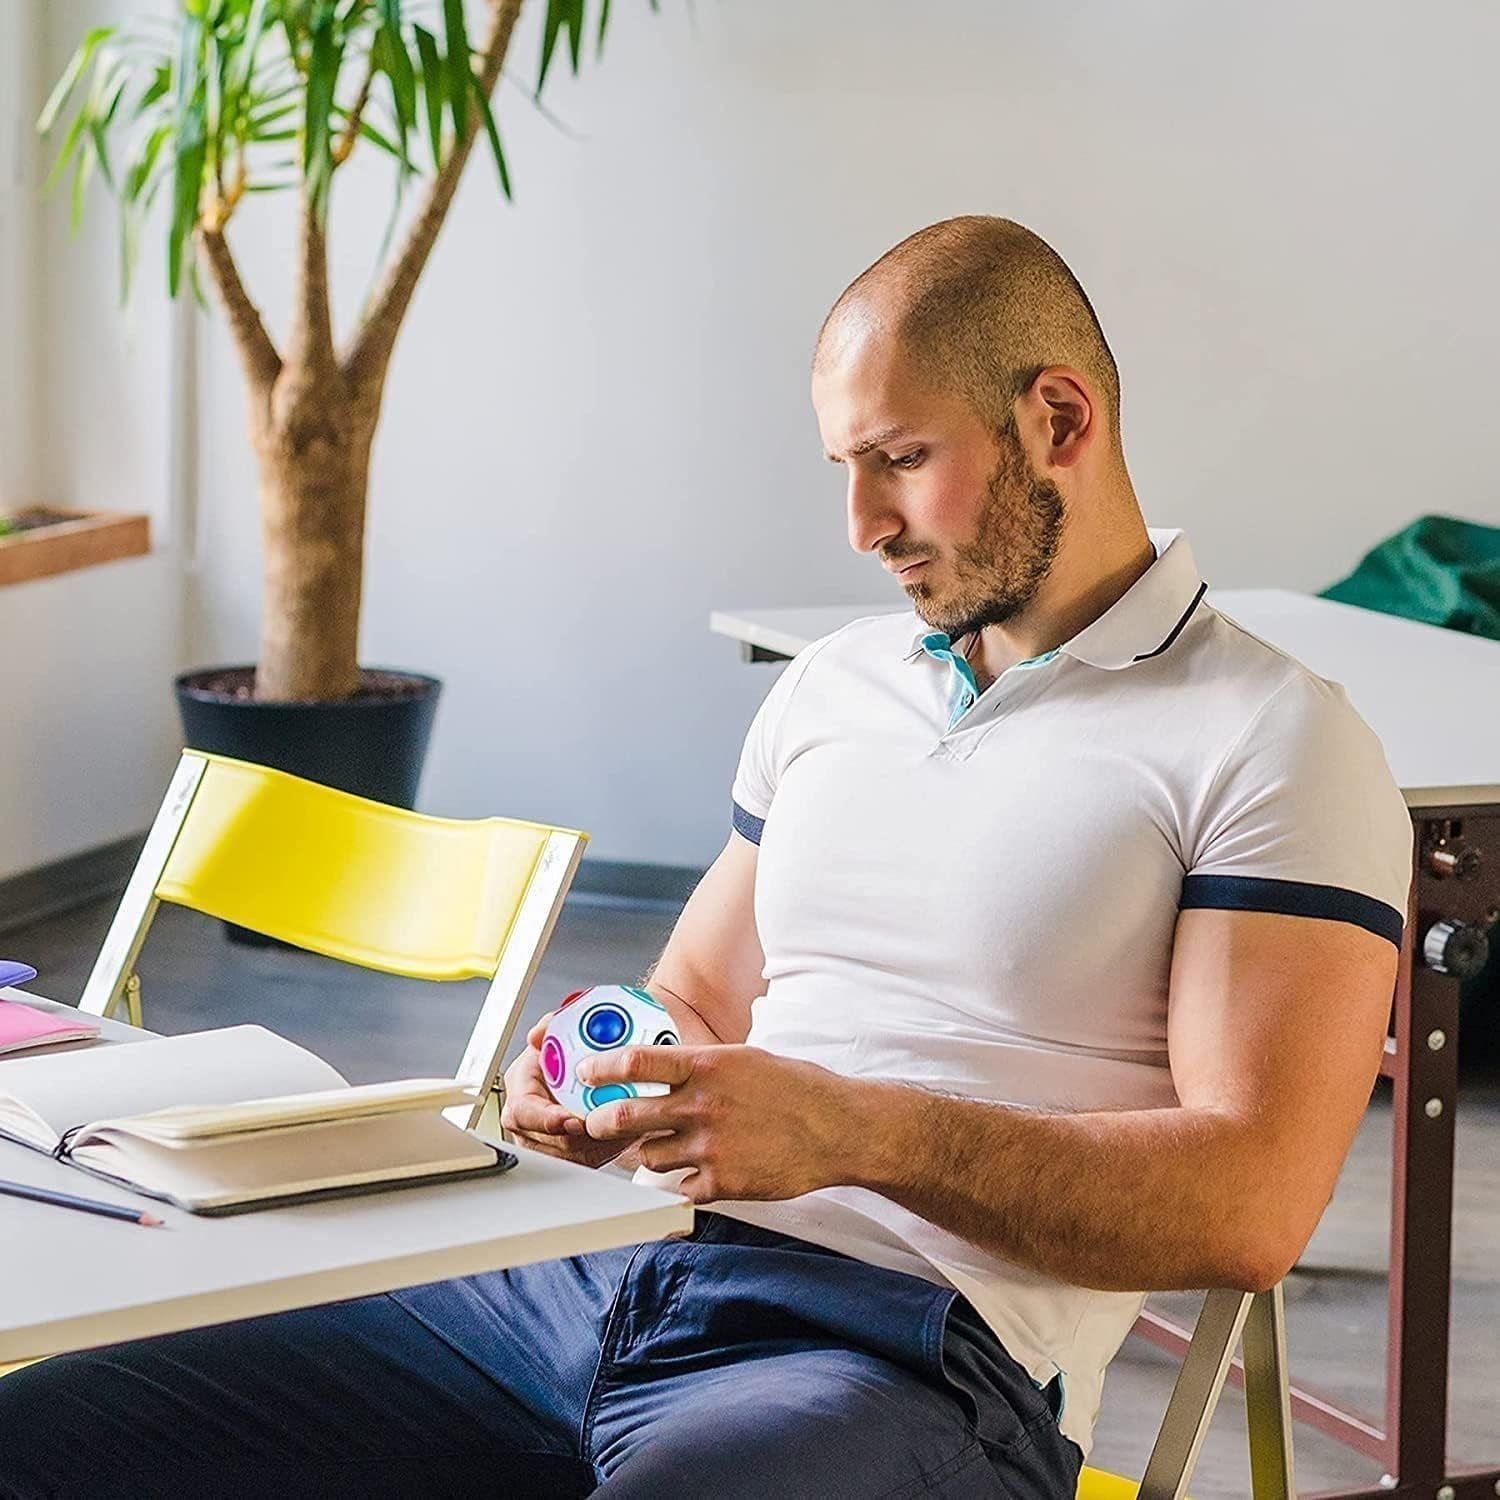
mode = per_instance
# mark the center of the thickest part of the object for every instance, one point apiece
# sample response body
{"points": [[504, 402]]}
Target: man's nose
{"points": [[872, 521]]}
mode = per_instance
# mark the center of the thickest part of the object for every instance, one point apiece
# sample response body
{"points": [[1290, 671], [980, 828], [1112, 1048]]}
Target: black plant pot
{"points": [[373, 743]]}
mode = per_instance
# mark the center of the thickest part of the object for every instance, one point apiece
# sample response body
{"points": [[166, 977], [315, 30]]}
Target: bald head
{"points": [[981, 306]]}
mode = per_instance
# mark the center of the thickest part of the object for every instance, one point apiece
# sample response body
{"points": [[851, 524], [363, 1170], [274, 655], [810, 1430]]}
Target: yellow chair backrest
{"points": [[424, 897], [403, 892]]}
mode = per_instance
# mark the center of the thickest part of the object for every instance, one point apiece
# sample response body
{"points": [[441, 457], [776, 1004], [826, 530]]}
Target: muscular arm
{"points": [[710, 970], [1275, 1030], [1275, 1034]]}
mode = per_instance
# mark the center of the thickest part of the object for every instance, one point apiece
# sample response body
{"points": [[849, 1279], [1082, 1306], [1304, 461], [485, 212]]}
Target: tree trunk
{"points": [[313, 417], [312, 445]]}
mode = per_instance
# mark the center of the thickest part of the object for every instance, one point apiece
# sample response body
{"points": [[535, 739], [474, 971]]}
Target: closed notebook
{"points": [[23, 1027], [223, 1121]]}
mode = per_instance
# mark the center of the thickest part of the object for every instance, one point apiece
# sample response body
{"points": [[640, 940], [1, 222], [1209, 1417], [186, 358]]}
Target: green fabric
{"points": [[1440, 570], [1445, 572]]}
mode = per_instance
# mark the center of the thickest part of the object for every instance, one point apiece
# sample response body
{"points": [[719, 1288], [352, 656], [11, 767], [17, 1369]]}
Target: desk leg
{"points": [[1425, 1082]]}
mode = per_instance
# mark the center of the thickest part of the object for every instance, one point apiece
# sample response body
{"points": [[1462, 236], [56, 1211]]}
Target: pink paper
{"points": [[21, 1027]]}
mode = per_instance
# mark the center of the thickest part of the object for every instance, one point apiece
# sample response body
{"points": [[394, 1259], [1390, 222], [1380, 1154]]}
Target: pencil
{"points": [[83, 1205]]}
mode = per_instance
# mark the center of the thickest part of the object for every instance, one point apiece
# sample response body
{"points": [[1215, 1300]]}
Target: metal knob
{"points": [[1460, 949], [1463, 861]]}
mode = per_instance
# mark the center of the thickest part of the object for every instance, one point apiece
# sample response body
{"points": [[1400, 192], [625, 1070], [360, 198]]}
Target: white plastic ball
{"points": [[602, 1019]]}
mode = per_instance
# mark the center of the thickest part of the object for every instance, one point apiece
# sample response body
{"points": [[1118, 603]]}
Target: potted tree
{"points": [[229, 98]]}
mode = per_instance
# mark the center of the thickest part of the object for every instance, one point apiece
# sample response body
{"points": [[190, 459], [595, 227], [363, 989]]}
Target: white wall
{"points": [[598, 428], [86, 658], [18, 258]]}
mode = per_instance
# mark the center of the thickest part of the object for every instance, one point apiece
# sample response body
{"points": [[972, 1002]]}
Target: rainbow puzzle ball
{"points": [[596, 1020]]}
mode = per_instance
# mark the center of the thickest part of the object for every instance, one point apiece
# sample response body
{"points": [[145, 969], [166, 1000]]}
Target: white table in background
{"points": [[74, 1281], [1433, 698]]}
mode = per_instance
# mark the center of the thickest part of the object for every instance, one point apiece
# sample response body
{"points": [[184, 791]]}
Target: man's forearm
{"points": [[1139, 1200]]}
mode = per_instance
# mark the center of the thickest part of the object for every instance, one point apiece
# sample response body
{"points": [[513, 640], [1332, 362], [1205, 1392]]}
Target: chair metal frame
{"points": [[1229, 1317], [113, 979]]}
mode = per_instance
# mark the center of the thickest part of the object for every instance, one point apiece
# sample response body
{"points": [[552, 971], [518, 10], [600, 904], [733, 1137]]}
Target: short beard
{"points": [[998, 574]]}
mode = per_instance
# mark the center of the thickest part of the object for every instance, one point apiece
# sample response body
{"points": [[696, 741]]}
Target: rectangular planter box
{"points": [[80, 541]]}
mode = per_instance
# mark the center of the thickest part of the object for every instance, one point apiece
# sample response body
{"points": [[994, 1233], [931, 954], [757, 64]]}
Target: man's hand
{"points": [[750, 1125], [538, 1121]]}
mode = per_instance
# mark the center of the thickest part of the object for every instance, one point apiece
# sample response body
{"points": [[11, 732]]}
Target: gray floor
{"points": [[372, 1026]]}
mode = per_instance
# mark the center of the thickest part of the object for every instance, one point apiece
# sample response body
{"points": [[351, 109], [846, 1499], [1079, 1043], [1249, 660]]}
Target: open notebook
{"points": [[222, 1121]]}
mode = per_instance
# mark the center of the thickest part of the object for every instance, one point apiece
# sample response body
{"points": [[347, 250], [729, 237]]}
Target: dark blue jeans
{"points": [[736, 1363]]}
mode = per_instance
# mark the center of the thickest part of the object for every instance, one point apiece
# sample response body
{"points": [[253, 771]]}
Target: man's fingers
{"points": [[528, 1113], [673, 1065], [539, 1031], [548, 1145], [668, 1152], [632, 1118]]}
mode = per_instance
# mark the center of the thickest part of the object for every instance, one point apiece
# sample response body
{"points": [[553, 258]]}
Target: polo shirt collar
{"points": [[1145, 620]]}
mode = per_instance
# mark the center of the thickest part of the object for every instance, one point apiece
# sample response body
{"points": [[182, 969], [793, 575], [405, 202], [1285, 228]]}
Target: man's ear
{"points": [[1057, 418]]}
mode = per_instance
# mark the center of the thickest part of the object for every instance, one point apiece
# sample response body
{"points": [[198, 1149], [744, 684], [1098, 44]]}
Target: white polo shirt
{"points": [[979, 897]]}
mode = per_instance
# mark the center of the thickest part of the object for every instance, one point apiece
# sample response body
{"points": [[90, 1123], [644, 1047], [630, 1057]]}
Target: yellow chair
{"points": [[1227, 1317], [398, 891], [378, 886]]}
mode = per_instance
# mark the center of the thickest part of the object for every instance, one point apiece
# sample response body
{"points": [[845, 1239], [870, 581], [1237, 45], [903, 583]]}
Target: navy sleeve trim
{"points": [[1295, 898], [747, 825]]}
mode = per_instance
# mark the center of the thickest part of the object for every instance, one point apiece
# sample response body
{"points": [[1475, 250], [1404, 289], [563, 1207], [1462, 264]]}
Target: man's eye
{"points": [[908, 460]]}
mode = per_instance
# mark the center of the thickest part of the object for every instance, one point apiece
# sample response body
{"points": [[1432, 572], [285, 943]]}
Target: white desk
{"points": [[1433, 697], [74, 1281]]}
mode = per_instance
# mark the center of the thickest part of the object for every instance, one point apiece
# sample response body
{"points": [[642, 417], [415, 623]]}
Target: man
{"points": [[1048, 963]]}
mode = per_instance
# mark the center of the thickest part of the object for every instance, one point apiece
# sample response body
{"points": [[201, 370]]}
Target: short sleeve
{"points": [[1304, 817], [760, 758]]}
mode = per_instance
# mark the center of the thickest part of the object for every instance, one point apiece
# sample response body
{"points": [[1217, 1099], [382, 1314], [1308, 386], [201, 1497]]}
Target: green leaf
{"points": [[403, 87], [370, 133], [242, 68], [190, 148], [575, 32], [603, 26], [111, 73], [563, 16], [459, 71], [487, 115], [140, 168], [433, 80], [213, 91], [69, 146], [322, 78], [263, 119], [83, 168], [551, 29], [187, 184], [101, 152], [159, 87], [395, 62], [71, 74]]}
